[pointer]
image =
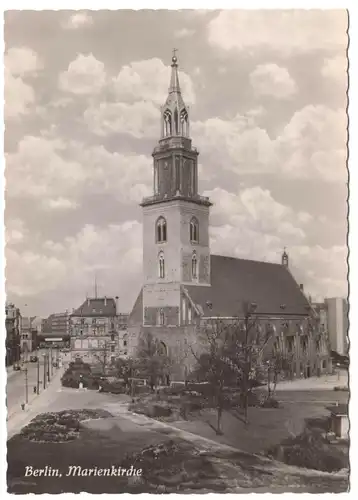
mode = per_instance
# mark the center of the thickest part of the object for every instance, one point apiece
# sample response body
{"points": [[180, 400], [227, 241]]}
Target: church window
{"points": [[161, 317], [176, 122], [167, 123], [194, 230], [184, 310], [184, 122], [161, 265], [161, 230], [194, 266]]}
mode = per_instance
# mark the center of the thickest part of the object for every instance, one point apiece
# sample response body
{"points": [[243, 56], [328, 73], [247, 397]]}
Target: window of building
{"points": [[189, 313], [194, 230], [93, 321], [161, 230], [194, 266], [183, 309], [125, 353], [82, 321], [167, 123], [112, 337], [161, 317], [112, 348], [161, 265]]}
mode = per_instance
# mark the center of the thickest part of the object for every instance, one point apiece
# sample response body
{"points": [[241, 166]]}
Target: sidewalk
{"points": [[18, 419], [324, 383]]}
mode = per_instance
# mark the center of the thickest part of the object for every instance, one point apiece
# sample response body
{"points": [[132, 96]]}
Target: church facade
{"points": [[184, 286]]}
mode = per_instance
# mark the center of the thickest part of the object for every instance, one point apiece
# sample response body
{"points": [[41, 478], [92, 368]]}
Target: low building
{"points": [[13, 334], [339, 421], [98, 333]]}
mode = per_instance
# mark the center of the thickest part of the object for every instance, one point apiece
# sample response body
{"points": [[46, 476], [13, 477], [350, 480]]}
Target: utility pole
{"points": [[26, 387], [44, 371], [48, 366], [51, 360], [38, 376]]}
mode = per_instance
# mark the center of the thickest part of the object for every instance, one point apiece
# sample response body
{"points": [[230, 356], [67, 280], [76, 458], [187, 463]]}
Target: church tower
{"points": [[175, 218]]}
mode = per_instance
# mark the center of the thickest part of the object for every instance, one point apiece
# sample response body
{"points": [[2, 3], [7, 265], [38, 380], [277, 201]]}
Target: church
{"points": [[185, 286]]}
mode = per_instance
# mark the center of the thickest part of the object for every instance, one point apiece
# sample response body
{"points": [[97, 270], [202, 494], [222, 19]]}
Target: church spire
{"points": [[174, 79], [175, 116]]}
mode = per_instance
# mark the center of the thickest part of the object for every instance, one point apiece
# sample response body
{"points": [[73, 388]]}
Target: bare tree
{"points": [[214, 365], [153, 360], [102, 355], [277, 364]]}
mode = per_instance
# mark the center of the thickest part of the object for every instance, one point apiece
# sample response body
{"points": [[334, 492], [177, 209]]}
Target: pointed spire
{"points": [[174, 79]]}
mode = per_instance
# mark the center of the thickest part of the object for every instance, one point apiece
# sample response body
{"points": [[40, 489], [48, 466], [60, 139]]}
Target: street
{"points": [[16, 392]]}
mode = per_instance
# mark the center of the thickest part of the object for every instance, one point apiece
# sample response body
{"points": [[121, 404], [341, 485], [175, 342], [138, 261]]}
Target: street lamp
{"points": [[44, 356]]}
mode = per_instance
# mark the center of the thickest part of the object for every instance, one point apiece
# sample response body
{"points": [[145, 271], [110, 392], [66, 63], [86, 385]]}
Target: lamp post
{"points": [[44, 356], [249, 310], [38, 376]]}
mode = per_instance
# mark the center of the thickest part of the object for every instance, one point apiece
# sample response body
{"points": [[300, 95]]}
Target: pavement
{"points": [[18, 418], [324, 383]]}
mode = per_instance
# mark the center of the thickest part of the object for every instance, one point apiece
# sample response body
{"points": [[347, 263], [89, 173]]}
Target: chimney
{"points": [[116, 299], [301, 287], [88, 302]]}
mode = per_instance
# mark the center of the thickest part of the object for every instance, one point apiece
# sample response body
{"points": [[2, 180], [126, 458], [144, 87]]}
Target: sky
{"points": [[267, 96]]}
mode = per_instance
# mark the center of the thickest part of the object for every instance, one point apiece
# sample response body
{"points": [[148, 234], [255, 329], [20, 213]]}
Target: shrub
{"points": [[310, 450], [270, 403]]}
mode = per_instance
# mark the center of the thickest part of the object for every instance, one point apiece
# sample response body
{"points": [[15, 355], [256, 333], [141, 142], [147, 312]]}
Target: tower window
{"points": [[194, 266], [161, 317], [167, 123], [161, 230], [194, 230], [161, 265]]}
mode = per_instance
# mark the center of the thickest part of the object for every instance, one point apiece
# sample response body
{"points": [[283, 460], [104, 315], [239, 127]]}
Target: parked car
{"points": [[33, 359], [17, 367]]}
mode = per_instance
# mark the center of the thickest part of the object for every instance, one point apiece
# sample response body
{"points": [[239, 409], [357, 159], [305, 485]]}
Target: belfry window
{"points": [[161, 318], [167, 123], [161, 265], [194, 266], [161, 230], [194, 230]]}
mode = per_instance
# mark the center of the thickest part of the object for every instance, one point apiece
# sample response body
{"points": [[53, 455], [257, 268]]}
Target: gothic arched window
{"points": [[176, 122], [161, 317], [184, 122], [194, 266], [167, 123], [194, 230], [161, 230], [161, 265]]}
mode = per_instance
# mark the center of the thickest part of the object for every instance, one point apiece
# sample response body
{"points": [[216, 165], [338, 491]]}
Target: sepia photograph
{"points": [[176, 195]]}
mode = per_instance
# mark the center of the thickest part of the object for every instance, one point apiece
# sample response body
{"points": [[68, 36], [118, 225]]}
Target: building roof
{"points": [[339, 410], [234, 281], [96, 307]]}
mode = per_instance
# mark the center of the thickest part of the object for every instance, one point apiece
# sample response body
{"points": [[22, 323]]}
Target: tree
{"points": [[276, 365], [213, 365], [153, 360], [102, 355]]}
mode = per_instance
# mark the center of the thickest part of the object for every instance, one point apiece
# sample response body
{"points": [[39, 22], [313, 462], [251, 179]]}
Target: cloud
{"points": [[15, 231], [84, 76], [60, 204], [285, 31], [140, 119], [68, 266], [312, 145], [148, 80], [183, 33], [252, 224], [336, 69], [78, 20], [272, 80], [22, 61], [19, 96]]}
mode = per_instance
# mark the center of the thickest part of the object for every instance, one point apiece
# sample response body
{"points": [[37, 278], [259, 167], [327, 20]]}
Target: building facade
{"points": [[333, 313], [13, 334], [98, 333], [184, 286]]}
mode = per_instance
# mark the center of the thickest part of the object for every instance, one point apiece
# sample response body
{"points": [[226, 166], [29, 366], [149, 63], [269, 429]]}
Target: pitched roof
{"points": [[234, 281], [96, 307]]}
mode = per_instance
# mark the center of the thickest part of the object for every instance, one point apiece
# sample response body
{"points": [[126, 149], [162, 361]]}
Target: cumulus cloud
{"points": [[84, 76], [15, 232], [78, 20], [20, 63], [184, 33], [285, 31], [311, 145], [59, 204], [148, 80], [252, 224], [68, 266], [272, 80], [140, 119], [336, 69]]}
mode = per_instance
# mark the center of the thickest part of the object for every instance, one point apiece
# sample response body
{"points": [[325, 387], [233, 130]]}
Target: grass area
{"points": [[170, 464]]}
